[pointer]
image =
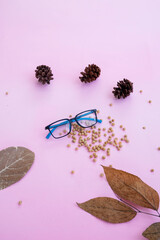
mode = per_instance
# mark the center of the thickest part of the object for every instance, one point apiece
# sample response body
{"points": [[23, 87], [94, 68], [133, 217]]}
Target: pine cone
{"points": [[44, 74], [123, 89], [90, 74]]}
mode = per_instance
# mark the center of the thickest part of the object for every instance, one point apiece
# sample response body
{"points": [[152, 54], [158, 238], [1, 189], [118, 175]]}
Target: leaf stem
{"points": [[158, 213], [129, 205], [139, 211], [149, 214]]}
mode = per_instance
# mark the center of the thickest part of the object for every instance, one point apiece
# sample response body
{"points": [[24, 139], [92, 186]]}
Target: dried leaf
{"points": [[14, 164], [108, 209], [132, 188], [152, 232]]}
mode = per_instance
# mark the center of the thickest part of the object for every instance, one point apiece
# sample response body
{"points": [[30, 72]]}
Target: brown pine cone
{"points": [[44, 74], [123, 89], [90, 74]]}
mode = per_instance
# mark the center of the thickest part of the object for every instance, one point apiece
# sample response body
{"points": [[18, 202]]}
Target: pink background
{"points": [[122, 38]]}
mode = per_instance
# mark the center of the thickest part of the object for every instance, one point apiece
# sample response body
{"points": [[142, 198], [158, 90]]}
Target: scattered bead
{"points": [[20, 203], [101, 174], [149, 101], [140, 91], [72, 172], [152, 170], [91, 140]]}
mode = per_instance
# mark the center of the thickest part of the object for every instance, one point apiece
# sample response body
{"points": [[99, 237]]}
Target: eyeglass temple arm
{"points": [[73, 120]]}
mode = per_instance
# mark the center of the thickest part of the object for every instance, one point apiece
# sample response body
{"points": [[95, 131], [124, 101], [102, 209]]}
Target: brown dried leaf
{"points": [[14, 164], [132, 188], [108, 209], [152, 232]]}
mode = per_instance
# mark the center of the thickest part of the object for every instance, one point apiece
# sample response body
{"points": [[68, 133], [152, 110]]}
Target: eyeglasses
{"points": [[62, 128]]}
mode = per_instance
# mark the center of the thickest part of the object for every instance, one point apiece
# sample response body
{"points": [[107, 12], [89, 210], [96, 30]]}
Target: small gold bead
{"points": [[72, 172], [20, 203], [152, 170], [101, 174]]}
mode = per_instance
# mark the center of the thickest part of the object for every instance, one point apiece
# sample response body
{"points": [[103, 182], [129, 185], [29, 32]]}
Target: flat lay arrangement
{"points": [[79, 101]]}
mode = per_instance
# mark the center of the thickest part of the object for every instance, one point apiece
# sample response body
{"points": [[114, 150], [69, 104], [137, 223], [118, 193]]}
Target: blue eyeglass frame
{"points": [[75, 119]]}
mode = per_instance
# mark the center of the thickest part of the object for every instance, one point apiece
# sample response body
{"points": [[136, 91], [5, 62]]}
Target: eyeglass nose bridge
{"points": [[72, 120]]}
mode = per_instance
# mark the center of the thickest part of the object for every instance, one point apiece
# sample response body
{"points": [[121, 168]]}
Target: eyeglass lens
{"points": [[60, 128], [87, 119]]}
